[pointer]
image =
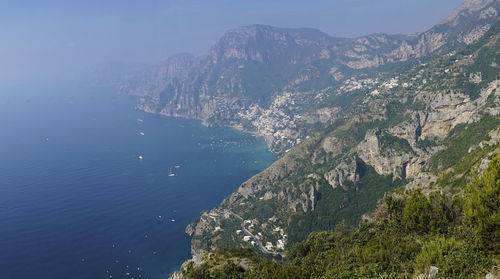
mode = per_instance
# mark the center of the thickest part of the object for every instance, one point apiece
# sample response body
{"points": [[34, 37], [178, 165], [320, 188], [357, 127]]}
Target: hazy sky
{"points": [[56, 38]]}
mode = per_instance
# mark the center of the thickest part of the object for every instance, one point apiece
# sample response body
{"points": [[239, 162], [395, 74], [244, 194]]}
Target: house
{"points": [[238, 231], [269, 246], [246, 238], [280, 244]]}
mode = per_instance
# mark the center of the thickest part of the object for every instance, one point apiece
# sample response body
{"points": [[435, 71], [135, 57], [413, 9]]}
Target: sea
{"points": [[90, 187]]}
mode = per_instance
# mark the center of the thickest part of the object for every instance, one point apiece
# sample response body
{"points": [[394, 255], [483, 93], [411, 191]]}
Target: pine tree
{"points": [[482, 207]]}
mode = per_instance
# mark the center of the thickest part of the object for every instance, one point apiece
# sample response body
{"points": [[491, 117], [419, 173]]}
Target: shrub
{"points": [[417, 213], [434, 252], [482, 207]]}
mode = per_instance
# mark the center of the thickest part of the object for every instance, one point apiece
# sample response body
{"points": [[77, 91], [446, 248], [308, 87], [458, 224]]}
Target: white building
{"points": [[269, 246], [246, 238], [280, 244]]}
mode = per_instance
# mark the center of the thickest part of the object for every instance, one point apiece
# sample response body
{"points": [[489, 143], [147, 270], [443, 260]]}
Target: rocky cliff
{"points": [[277, 82], [352, 118], [425, 118]]}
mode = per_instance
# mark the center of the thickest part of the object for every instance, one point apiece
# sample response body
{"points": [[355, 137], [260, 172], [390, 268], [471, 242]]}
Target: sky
{"points": [[61, 39]]}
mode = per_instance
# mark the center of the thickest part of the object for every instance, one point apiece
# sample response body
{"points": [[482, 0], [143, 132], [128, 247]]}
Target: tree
{"points": [[434, 252], [482, 207], [417, 213]]}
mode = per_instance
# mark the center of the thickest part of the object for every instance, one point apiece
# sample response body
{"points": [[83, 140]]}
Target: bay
{"points": [[76, 201]]}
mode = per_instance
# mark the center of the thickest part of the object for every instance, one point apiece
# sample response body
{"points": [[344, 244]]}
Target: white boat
{"points": [[171, 173], [177, 167], [141, 133], [140, 120], [140, 157]]}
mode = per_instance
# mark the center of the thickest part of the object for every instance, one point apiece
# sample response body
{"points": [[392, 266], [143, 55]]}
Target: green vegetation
{"points": [[460, 139], [389, 141], [338, 205], [482, 207], [434, 252], [410, 233], [427, 143], [419, 229]]}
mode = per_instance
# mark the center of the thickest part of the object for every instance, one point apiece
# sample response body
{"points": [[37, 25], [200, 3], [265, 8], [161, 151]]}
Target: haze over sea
{"points": [[77, 202]]}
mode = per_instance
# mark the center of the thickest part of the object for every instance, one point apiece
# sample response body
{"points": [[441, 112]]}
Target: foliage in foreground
{"points": [[459, 235]]}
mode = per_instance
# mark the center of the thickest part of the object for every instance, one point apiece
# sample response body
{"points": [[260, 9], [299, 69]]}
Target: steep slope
{"points": [[284, 83], [410, 235], [444, 221], [427, 118], [163, 74]]}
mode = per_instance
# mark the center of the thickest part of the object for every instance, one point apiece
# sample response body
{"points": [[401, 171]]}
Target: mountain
{"points": [[406, 130], [408, 235], [285, 84], [405, 184], [352, 119]]}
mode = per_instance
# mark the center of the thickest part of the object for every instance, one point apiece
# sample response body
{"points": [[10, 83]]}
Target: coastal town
{"points": [[248, 232]]}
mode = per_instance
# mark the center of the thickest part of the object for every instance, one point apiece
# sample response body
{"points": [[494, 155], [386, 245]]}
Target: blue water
{"points": [[75, 200]]}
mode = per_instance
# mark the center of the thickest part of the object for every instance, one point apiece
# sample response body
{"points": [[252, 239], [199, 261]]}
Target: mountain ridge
{"points": [[352, 119], [253, 69], [381, 141]]}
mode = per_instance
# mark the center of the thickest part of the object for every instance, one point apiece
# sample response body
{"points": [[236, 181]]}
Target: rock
{"points": [[494, 274], [190, 229], [176, 275], [220, 89], [450, 109], [343, 172], [421, 181], [386, 162], [431, 273]]}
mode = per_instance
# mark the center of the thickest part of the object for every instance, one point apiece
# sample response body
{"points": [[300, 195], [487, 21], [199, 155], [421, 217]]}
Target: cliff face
{"points": [[388, 136], [274, 81], [348, 129]]}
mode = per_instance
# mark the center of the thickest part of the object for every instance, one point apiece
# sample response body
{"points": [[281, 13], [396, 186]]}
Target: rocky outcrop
{"points": [[453, 108], [346, 171], [231, 86], [385, 129], [494, 274], [431, 273], [385, 162], [161, 75]]}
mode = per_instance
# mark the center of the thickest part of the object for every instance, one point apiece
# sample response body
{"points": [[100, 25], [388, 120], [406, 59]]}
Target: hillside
{"points": [[410, 129], [416, 116], [285, 84], [409, 235]]}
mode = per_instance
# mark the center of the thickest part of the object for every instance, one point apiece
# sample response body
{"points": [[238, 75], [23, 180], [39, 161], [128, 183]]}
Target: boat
{"points": [[141, 133], [177, 166], [140, 157], [140, 120], [171, 173]]}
